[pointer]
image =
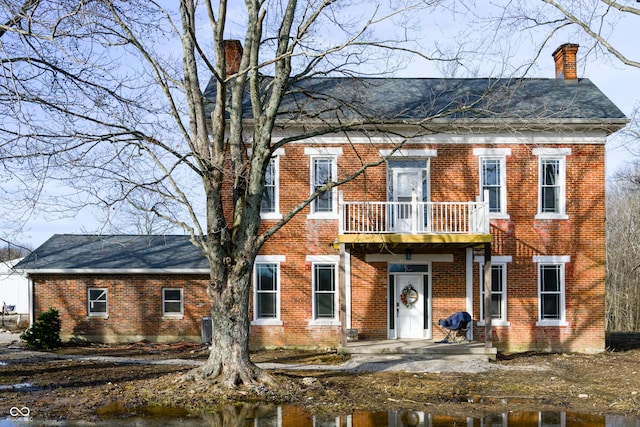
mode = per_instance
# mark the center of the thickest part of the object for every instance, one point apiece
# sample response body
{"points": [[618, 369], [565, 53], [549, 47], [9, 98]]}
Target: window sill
{"points": [[172, 316], [98, 316], [324, 322], [552, 216], [266, 322], [499, 216], [332, 216], [270, 216], [552, 323], [495, 322]]}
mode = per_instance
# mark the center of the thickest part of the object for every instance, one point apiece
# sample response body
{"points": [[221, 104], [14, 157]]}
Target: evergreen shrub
{"points": [[44, 334]]}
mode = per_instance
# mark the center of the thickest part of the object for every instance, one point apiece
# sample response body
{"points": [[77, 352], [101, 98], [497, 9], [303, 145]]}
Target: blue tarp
{"points": [[453, 322]]}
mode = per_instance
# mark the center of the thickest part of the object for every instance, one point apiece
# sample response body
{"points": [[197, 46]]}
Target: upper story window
{"points": [[266, 290], [270, 205], [551, 290], [552, 184], [493, 178], [323, 170], [97, 302]]}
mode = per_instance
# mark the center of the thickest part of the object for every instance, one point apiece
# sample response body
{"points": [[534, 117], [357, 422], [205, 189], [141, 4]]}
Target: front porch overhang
{"points": [[467, 240]]}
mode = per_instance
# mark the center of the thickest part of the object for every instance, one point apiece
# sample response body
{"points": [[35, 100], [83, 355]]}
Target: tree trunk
{"points": [[229, 361]]}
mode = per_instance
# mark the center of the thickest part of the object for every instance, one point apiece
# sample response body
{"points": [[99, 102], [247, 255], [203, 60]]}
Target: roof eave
{"points": [[32, 271], [609, 125]]}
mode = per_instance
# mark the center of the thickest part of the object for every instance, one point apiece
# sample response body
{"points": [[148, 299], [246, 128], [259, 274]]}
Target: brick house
{"points": [[495, 207]]}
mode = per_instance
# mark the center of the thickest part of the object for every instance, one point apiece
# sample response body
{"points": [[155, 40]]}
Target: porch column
{"points": [[487, 296], [342, 294]]}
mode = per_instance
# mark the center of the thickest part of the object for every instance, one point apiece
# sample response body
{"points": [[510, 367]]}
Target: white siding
{"points": [[14, 288]]}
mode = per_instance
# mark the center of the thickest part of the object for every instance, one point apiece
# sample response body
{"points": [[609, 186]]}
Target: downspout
{"points": [[342, 283], [30, 296], [488, 344], [469, 281]]}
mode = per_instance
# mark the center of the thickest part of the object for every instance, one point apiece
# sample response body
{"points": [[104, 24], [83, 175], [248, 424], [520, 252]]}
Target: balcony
{"points": [[413, 221]]}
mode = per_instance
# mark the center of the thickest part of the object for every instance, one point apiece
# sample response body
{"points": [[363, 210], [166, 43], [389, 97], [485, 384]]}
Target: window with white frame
{"points": [[172, 304], [323, 170], [324, 286], [552, 182], [551, 290], [493, 178], [270, 204], [266, 290], [498, 289], [271, 419], [324, 291], [97, 302]]}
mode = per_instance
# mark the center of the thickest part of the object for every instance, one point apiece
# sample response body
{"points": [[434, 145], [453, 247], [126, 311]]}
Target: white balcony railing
{"points": [[414, 217]]}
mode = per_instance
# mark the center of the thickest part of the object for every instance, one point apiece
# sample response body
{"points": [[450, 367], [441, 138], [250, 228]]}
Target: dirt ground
{"points": [[54, 387]]}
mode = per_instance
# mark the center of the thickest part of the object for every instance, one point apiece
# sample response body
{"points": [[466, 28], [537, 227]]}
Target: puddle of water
{"points": [[20, 386], [284, 416]]}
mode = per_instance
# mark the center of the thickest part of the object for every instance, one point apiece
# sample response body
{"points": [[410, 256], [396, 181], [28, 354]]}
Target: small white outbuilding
{"points": [[14, 288]]}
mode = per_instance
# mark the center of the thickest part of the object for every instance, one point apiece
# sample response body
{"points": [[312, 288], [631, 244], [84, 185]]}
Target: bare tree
{"points": [[598, 21], [623, 249], [107, 98]]}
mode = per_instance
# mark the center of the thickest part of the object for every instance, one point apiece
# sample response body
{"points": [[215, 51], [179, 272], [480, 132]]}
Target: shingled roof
{"points": [[416, 99], [125, 253]]}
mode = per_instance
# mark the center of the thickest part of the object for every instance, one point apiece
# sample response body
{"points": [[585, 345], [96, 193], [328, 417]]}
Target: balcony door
{"points": [[406, 178], [406, 183]]}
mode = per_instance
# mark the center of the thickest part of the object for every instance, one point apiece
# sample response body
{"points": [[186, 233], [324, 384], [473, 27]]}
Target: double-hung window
{"points": [[551, 290], [323, 170], [97, 302], [552, 183], [324, 289], [172, 304], [498, 290], [493, 179], [270, 204], [266, 290]]}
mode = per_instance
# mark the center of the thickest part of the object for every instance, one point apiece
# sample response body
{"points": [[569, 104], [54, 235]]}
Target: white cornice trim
{"points": [[553, 259], [586, 138], [551, 151], [323, 258], [323, 151], [270, 258]]}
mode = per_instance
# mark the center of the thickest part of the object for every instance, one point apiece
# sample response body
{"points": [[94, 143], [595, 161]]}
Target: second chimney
{"points": [[232, 56], [565, 59]]}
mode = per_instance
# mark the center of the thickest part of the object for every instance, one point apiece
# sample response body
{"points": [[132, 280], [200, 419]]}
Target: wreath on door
{"points": [[409, 296]]}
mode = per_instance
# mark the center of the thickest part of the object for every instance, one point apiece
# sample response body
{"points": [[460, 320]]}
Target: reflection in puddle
{"points": [[20, 386], [293, 416]]}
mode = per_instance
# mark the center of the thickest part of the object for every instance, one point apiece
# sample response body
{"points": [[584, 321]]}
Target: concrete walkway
{"points": [[11, 352]]}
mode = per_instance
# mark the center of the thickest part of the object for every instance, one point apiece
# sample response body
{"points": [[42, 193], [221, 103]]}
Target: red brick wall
{"points": [[454, 177], [135, 300], [134, 306]]}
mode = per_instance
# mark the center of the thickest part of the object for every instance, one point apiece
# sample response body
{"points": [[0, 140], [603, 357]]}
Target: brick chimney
{"points": [[565, 58], [232, 55]]}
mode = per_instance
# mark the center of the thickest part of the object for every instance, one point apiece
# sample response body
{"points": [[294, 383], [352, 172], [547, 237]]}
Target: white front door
{"points": [[410, 305], [406, 183]]}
